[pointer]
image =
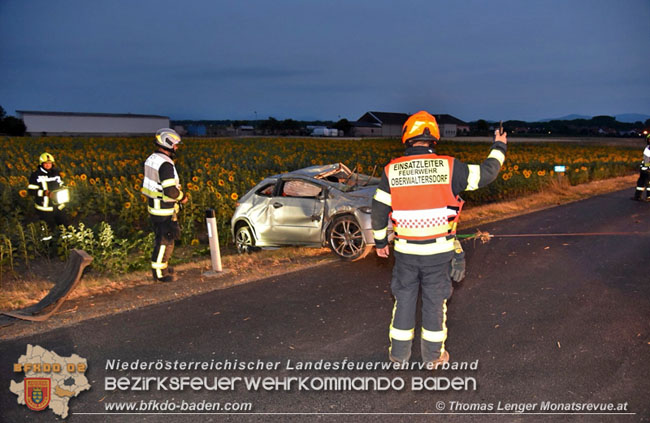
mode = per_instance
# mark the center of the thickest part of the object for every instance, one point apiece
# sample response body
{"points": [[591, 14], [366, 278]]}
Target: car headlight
{"points": [[365, 209]]}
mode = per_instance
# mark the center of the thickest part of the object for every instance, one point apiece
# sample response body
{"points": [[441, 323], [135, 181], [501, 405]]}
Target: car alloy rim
{"points": [[346, 239], [243, 239]]}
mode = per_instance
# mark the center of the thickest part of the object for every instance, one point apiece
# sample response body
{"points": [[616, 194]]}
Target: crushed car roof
{"points": [[319, 170]]}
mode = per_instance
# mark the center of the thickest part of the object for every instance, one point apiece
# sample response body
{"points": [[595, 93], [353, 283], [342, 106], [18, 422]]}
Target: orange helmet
{"points": [[420, 127]]}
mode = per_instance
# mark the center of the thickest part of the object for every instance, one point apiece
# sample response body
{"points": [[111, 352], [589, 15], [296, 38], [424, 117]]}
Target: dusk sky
{"points": [[305, 59]]}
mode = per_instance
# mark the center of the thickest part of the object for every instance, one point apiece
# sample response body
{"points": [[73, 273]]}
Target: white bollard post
{"points": [[213, 236]]}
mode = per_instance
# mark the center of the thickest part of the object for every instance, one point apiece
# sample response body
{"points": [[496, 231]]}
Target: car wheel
{"points": [[345, 239], [244, 239]]}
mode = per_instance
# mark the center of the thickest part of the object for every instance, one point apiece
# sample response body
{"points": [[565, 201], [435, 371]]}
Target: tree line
{"points": [[10, 125]]}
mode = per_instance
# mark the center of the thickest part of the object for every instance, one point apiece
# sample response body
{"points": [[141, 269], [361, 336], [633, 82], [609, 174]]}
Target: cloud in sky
{"points": [[289, 58]]}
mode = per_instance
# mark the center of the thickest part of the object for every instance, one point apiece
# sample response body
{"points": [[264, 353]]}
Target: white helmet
{"points": [[167, 138]]}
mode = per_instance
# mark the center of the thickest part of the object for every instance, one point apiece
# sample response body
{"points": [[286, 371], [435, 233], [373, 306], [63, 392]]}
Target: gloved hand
{"points": [[457, 271]]}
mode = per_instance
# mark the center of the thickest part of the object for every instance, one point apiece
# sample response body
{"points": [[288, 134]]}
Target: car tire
{"points": [[345, 239], [244, 240]]}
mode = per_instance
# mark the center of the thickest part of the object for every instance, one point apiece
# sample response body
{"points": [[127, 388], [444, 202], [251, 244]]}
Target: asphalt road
{"points": [[550, 320]]}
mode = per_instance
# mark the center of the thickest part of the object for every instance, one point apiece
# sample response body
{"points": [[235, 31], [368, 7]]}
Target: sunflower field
{"points": [[105, 176]]}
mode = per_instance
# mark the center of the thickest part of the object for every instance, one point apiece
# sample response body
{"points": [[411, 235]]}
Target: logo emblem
{"points": [[37, 393]]}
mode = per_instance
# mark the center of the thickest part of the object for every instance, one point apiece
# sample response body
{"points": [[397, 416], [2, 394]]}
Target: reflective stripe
{"points": [[168, 183], [158, 265], [161, 212], [434, 336], [40, 192], [442, 245], [32, 186], [640, 188], [473, 177], [497, 154], [46, 238], [41, 208], [382, 197], [171, 200], [401, 335], [444, 325], [380, 234], [151, 194]]}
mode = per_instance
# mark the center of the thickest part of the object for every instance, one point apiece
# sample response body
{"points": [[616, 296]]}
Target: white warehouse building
{"points": [[95, 124]]}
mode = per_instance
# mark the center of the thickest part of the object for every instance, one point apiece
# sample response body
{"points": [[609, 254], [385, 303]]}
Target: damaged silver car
{"points": [[315, 206]]}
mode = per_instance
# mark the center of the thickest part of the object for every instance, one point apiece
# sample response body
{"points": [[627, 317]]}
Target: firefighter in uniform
{"points": [[162, 188], [48, 190], [420, 193], [643, 183]]}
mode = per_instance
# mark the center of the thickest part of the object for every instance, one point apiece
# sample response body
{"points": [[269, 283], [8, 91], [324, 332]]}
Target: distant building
{"points": [[383, 124], [451, 126], [379, 124], [95, 124]]}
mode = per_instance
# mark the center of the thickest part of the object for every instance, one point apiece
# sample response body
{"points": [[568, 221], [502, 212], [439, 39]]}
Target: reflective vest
{"points": [[425, 210], [152, 186]]}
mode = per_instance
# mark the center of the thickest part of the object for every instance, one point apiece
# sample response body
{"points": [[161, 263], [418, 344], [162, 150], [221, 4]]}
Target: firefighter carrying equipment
{"points": [[420, 127], [47, 181]]}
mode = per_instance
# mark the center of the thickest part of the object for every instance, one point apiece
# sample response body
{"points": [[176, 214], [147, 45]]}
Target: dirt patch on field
{"points": [[97, 297]]}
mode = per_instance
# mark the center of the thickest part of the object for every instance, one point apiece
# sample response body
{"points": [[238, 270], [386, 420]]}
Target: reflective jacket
{"points": [[419, 192], [425, 210], [43, 180], [161, 185]]}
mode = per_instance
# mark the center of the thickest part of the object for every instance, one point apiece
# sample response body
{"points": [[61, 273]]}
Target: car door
{"points": [[297, 212], [260, 212]]}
